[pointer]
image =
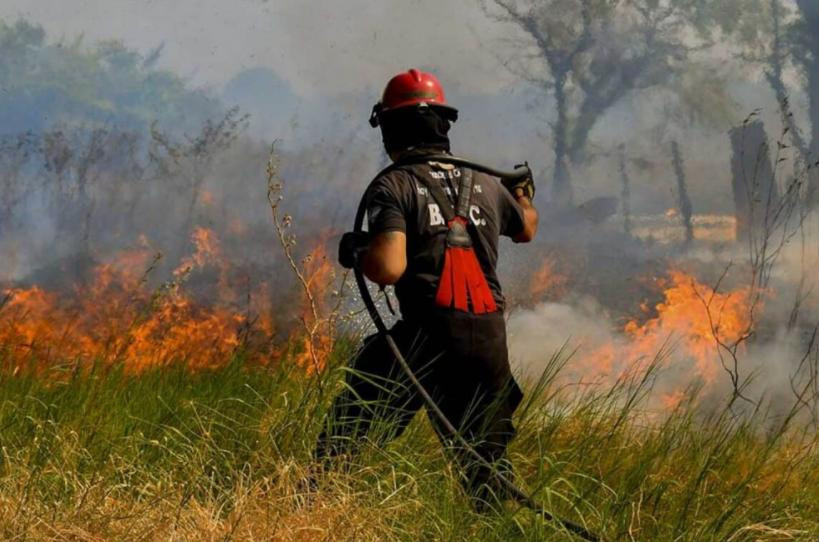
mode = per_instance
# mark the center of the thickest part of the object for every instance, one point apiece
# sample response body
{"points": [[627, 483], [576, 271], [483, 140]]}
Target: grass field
{"points": [[220, 454]]}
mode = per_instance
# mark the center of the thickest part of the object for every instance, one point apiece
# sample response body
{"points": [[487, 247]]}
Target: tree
{"points": [[45, 84], [804, 45], [780, 38], [185, 163], [15, 155], [588, 55], [758, 32]]}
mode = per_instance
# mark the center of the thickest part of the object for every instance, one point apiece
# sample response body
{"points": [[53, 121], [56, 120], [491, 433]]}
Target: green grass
{"points": [[219, 454]]}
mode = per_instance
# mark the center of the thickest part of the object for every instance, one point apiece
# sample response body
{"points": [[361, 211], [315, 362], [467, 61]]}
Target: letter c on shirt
{"points": [[475, 215]]}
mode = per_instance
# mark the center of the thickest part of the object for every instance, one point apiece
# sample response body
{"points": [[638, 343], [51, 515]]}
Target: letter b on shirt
{"points": [[435, 216]]}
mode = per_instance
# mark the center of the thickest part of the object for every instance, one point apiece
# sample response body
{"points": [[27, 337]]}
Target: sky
{"points": [[315, 45]]}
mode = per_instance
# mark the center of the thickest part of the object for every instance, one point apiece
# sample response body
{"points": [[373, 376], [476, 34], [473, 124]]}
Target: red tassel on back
{"points": [[444, 296], [462, 280], [459, 277]]}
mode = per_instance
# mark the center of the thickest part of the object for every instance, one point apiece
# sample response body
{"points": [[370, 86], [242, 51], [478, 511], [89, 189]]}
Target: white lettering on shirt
{"points": [[475, 216], [435, 216], [441, 175]]}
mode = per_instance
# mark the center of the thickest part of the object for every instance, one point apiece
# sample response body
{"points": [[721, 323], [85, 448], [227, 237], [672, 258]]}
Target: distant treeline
{"points": [[44, 83]]}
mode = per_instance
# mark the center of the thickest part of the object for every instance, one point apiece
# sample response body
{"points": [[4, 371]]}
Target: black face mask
{"points": [[414, 127]]}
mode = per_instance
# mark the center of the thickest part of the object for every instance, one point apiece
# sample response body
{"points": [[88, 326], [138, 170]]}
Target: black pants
{"points": [[462, 360]]}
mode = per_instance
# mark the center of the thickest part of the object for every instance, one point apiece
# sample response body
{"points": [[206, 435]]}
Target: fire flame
{"points": [[117, 317], [693, 318], [547, 282]]}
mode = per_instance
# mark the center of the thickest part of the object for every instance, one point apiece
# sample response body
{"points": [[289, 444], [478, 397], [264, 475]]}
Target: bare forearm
{"points": [[530, 219], [386, 258]]}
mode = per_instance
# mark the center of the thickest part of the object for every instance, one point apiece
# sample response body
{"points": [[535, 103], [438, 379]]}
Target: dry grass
{"points": [[222, 455]]}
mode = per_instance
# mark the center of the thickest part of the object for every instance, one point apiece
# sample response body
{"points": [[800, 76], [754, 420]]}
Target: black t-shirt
{"points": [[399, 201]]}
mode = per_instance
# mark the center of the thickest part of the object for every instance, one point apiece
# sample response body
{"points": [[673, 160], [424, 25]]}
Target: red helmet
{"points": [[413, 88]]}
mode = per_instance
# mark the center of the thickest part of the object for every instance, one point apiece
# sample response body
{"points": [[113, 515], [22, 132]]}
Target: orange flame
{"points": [[547, 282], [118, 318], [692, 317]]}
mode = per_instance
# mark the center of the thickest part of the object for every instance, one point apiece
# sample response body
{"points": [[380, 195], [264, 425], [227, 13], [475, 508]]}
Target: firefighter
{"points": [[443, 267]]}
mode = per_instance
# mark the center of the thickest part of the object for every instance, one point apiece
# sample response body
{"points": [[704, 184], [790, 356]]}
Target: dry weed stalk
{"points": [[775, 219], [319, 321]]}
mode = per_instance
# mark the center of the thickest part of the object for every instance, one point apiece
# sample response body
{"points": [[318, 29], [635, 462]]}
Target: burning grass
{"points": [[187, 423], [117, 317], [700, 329], [220, 454], [193, 419], [695, 316]]}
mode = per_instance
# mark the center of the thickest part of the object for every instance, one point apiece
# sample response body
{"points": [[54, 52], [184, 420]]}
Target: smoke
{"points": [[579, 326], [722, 340], [308, 72], [326, 63]]}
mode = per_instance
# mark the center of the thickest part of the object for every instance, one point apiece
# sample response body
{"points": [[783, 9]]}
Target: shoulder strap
{"points": [[464, 193]]}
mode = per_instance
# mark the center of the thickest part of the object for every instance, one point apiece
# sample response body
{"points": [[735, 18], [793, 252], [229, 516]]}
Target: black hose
{"points": [[521, 496]]}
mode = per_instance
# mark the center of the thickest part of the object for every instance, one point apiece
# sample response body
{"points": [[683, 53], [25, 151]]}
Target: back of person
{"points": [[401, 201], [439, 248]]}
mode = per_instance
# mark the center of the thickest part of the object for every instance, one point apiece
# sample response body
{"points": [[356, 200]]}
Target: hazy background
{"points": [[301, 67], [132, 125]]}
